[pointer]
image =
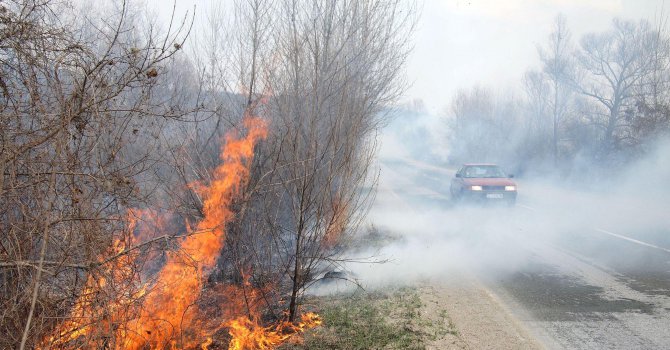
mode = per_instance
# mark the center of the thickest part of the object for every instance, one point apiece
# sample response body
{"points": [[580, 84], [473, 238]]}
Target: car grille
{"points": [[493, 188]]}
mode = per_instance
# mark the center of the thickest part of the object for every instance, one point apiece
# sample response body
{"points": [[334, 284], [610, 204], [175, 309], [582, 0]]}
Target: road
{"points": [[580, 269]]}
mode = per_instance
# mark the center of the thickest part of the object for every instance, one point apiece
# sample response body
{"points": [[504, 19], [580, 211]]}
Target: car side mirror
{"points": [[511, 176], [458, 175]]}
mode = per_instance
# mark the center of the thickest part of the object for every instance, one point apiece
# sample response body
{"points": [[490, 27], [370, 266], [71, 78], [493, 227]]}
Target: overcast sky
{"points": [[461, 43]]}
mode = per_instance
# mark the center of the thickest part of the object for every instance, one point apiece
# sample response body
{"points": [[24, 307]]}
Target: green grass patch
{"points": [[368, 321]]}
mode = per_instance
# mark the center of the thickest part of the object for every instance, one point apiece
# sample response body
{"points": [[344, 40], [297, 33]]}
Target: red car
{"points": [[483, 182]]}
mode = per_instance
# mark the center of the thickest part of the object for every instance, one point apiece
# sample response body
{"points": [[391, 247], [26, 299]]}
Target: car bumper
{"points": [[490, 196]]}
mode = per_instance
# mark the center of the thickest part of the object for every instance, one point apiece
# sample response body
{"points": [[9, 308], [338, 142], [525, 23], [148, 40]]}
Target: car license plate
{"points": [[494, 195]]}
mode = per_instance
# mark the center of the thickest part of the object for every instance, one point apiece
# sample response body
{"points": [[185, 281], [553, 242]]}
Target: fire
{"points": [[170, 309], [94, 313], [162, 312], [337, 222], [248, 334]]}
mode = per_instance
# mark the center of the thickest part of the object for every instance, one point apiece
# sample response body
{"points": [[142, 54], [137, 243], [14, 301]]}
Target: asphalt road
{"points": [[581, 269]]}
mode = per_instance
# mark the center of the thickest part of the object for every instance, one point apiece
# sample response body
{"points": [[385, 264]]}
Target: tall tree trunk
{"points": [[608, 138]]}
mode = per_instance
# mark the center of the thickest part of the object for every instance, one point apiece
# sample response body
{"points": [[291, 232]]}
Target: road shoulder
{"points": [[479, 318]]}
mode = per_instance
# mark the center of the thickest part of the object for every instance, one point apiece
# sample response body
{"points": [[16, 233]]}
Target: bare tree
{"points": [[652, 105], [484, 126], [538, 118], [320, 73], [615, 63], [335, 64], [71, 101], [557, 63]]}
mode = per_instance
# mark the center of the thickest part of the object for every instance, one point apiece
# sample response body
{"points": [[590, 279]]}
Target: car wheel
{"points": [[511, 202], [457, 196]]}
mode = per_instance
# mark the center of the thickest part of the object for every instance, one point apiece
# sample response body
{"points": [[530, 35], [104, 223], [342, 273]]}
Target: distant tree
{"points": [[615, 64], [557, 68], [652, 100], [538, 124], [483, 126]]}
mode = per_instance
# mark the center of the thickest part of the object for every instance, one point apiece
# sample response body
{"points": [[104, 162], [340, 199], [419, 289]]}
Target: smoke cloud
{"points": [[432, 238]]}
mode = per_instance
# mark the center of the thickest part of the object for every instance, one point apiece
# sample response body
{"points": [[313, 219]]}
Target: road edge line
{"points": [[632, 240]]}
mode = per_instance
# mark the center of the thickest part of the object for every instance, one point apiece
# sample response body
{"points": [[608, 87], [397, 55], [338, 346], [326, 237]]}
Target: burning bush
{"points": [[100, 115], [163, 311]]}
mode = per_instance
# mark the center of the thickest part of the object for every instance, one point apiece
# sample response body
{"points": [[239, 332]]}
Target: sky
{"points": [[463, 43]]}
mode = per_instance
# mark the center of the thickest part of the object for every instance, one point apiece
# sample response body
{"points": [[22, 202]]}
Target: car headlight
{"points": [[510, 188], [476, 188]]}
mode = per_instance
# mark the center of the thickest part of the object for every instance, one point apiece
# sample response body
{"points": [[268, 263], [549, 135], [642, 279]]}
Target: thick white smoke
{"points": [[436, 239]]}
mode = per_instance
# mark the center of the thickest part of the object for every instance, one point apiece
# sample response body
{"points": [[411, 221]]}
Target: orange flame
{"points": [[170, 308], [248, 334], [163, 312], [95, 313]]}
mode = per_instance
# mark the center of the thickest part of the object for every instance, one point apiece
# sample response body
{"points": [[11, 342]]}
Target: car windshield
{"points": [[483, 171]]}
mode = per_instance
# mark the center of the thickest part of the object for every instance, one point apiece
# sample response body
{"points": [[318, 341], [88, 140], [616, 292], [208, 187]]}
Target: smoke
{"points": [[432, 238], [415, 134]]}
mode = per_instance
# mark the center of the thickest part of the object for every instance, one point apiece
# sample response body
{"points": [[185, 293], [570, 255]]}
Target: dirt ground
{"points": [[478, 319], [460, 313]]}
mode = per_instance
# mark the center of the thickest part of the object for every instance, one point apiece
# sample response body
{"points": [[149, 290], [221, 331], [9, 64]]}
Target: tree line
{"points": [[596, 103]]}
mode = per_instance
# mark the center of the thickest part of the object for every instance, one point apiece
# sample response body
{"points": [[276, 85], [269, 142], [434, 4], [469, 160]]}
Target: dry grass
{"points": [[372, 320]]}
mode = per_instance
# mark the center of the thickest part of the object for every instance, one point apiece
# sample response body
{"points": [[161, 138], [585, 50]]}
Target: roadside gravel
{"points": [[478, 319]]}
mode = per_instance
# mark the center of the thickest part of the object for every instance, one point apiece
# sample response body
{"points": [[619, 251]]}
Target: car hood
{"points": [[481, 181]]}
